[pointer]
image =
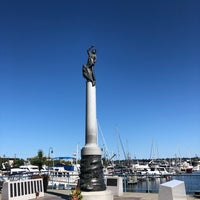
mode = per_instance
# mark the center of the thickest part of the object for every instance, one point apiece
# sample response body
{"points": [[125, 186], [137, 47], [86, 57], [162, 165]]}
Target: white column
{"points": [[91, 147]]}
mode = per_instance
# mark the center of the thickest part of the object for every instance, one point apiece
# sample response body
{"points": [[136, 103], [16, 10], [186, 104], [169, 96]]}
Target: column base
{"points": [[90, 150], [91, 176], [103, 195]]}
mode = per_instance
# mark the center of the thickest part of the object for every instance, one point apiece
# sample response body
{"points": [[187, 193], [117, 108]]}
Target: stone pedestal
{"points": [[103, 195], [115, 184], [22, 189], [172, 190]]}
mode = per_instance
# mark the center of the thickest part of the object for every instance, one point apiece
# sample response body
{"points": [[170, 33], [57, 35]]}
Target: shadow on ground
{"points": [[62, 196], [127, 198]]}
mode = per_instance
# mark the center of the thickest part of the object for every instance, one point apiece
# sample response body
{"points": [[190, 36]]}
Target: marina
{"points": [[139, 177], [66, 67], [151, 185], [141, 181], [62, 175]]}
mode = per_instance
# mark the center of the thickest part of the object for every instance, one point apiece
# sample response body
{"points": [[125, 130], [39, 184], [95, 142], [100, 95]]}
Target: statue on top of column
{"points": [[88, 69]]}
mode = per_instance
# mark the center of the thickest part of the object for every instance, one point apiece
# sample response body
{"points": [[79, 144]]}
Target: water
{"points": [[192, 183]]}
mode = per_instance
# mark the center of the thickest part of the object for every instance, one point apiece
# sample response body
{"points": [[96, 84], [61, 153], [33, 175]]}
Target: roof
{"points": [[64, 158]]}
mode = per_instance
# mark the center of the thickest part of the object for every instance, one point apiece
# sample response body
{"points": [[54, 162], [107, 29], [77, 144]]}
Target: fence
{"points": [[22, 189], [150, 183]]}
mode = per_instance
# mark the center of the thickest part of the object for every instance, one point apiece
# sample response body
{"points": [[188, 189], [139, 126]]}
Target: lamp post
{"points": [[50, 152]]}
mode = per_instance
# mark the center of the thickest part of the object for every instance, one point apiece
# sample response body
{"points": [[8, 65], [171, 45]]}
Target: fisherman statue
{"points": [[88, 69], [91, 168]]}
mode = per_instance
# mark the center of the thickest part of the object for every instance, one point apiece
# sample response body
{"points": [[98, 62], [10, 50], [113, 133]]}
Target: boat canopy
{"points": [[64, 158]]}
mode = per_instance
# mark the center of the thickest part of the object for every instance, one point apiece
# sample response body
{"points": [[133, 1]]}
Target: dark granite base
{"points": [[91, 176]]}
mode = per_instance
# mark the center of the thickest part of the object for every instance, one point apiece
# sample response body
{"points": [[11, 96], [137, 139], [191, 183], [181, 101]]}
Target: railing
{"points": [[60, 181], [146, 183], [22, 189], [19, 176], [150, 183]]}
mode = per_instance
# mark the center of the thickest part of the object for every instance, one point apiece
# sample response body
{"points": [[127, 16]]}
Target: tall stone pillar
{"points": [[91, 176], [91, 131]]}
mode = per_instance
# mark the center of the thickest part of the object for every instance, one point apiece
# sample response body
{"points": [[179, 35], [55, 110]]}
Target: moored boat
{"points": [[64, 176]]}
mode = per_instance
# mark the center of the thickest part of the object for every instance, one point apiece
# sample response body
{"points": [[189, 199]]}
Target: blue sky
{"points": [[147, 70]]}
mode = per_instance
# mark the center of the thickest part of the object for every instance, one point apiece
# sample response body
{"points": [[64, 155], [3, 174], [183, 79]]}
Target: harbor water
{"points": [[151, 184]]}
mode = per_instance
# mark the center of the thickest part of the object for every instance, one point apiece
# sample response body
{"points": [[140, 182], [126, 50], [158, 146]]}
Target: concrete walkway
{"points": [[64, 194]]}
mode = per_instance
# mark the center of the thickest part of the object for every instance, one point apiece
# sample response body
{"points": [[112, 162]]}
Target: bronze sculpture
{"points": [[88, 69], [91, 170]]}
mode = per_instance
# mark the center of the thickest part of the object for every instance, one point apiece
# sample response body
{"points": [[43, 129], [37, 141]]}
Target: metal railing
{"points": [[150, 183]]}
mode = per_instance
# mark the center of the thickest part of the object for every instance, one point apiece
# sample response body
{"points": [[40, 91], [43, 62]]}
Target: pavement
{"points": [[64, 194]]}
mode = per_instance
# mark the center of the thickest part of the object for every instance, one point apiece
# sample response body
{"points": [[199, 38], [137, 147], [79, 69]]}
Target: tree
{"points": [[18, 162], [38, 160]]}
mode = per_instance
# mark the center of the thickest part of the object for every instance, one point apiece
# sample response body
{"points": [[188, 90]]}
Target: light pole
{"points": [[50, 152]]}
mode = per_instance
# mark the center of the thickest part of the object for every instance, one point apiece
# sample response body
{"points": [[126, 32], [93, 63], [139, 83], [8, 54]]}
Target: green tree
{"points": [[38, 160], [18, 162]]}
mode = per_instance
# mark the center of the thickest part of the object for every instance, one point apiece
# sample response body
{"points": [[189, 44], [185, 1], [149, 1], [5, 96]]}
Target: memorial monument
{"points": [[91, 176]]}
